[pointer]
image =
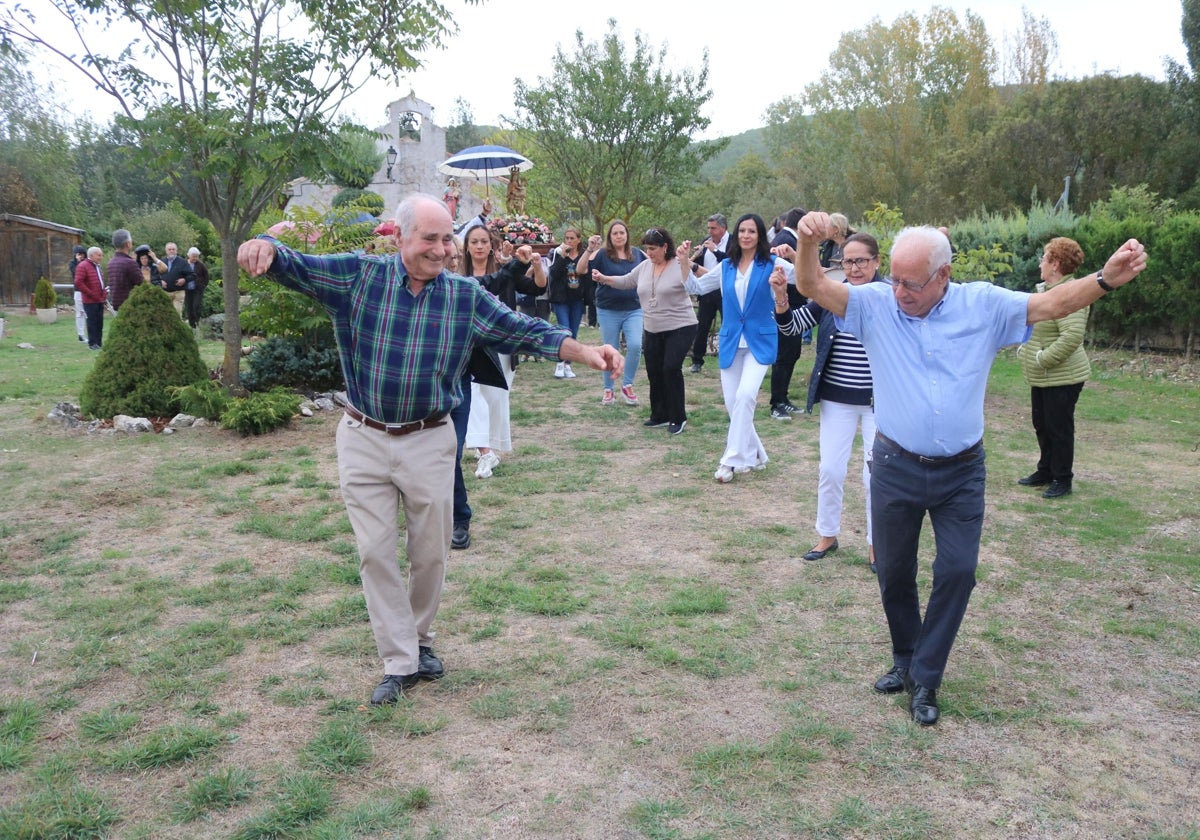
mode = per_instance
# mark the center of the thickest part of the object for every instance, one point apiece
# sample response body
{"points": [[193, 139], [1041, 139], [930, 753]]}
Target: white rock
{"points": [[325, 404], [200, 421], [168, 431], [306, 411], [25, 345], [181, 421], [125, 423]]}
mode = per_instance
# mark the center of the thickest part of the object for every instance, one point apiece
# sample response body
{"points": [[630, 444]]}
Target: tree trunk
{"points": [[233, 324]]}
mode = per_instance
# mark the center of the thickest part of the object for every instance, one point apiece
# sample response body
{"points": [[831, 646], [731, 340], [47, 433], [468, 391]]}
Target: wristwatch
{"points": [[1100, 281]]}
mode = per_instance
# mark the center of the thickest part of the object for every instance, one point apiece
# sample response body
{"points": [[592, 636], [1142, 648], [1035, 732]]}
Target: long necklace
{"points": [[654, 275]]}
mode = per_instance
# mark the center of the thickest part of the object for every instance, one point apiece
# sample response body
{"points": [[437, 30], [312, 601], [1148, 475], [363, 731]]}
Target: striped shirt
{"points": [[403, 355], [846, 369]]}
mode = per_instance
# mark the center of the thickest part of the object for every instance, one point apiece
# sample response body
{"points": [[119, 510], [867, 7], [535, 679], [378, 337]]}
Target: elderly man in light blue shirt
{"points": [[931, 344]]}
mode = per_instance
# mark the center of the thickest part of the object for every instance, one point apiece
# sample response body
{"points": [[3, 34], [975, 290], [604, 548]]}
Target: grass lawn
{"points": [[632, 650]]}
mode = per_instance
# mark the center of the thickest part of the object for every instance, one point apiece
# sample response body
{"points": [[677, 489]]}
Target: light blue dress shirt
{"points": [[931, 373]]}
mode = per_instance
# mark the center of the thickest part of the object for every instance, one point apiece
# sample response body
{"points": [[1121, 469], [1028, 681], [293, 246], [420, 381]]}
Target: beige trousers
{"points": [[379, 473]]}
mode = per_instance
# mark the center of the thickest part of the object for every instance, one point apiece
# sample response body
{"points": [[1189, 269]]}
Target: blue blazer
{"points": [[755, 322]]}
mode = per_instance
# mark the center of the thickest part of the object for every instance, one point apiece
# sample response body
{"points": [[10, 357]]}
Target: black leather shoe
{"points": [[1036, 479], [893, 681], [460, 537], [817, 555], [392, 687], [654, 424], [695, 368], [874, 568], [923, 704], [429, 667], [1056, 489]]}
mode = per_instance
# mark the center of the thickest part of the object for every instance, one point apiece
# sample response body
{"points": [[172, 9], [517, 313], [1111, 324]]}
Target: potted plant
{"points": [[45, 301]]}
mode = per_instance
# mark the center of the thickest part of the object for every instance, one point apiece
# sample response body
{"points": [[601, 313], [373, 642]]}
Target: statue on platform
{"points": [[515, 200], [451, 196]]}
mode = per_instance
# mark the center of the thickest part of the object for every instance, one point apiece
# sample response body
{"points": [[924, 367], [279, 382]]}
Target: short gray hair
{"points": [[406, 210], [930, 237], [720, 219], [121, 238], [193, 251], [95, 251]]}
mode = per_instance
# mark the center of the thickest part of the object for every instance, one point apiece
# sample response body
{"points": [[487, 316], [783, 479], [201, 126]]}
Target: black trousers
{"points": [[708, 307], [1054, 423], [193, 304], [664, 353], [902, 492], [94, 314], [785, 364]]}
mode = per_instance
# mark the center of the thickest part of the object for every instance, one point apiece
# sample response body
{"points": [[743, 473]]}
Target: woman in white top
{"points": [[749, 337]]}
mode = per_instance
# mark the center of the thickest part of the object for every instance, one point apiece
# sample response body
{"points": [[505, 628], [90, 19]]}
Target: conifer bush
{"points": [[147, 350]]}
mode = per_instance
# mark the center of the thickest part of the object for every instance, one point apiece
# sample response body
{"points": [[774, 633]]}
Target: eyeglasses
{"points": [[916, 288], [858, 262]]}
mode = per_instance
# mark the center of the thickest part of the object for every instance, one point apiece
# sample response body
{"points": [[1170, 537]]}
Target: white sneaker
{"points": [[560, 370], [723, 474], [488, 461], [567, 372]]}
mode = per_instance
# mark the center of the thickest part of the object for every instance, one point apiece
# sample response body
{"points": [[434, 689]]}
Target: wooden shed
{"points": [[32, 248]]}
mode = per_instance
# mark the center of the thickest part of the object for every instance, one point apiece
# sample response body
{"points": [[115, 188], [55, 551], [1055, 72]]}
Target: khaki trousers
{"points": [[379, 473]]}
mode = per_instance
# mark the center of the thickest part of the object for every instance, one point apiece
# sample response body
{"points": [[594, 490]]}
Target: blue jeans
{"points": [[613, 322], [458, 416], [569, 315]]}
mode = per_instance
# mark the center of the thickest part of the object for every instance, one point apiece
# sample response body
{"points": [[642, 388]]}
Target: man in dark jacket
{"points": [[176, 278], [708, 255]]}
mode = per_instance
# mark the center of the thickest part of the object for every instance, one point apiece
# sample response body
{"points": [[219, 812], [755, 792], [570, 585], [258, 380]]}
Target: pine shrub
{"points": [[294, 363], [147, 351], [44, 296]]}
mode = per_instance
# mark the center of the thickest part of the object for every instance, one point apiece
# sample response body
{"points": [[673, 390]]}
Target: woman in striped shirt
{"points": [[841, 382]]}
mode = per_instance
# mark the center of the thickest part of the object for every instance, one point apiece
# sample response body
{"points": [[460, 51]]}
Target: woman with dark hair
{"points": [[749, 337], [1056, 366], [150, 265], [841, 382], [618, 310], [488, 426], [565, 290], [669, 322]]}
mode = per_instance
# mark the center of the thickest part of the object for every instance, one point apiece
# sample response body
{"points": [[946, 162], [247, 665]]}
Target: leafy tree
{"points": [[158, 227], [146, 352], [1176, 258], [614, 129], [353, 158], [462, 133], [1030, 52], [35, 150], [254, 88]]}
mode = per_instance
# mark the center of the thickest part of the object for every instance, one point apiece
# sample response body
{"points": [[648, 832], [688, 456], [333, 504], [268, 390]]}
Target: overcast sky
{"points": [[759, 50]]}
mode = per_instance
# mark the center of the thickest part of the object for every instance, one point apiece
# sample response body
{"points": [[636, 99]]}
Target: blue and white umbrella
{"points": [[485, 162]]}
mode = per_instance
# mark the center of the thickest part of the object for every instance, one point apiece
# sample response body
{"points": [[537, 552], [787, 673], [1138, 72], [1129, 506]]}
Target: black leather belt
{"points": [[398, 429], [966, 455]]}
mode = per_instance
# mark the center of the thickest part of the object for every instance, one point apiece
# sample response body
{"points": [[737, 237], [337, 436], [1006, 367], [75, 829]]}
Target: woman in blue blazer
{"points": [[749, 337]]}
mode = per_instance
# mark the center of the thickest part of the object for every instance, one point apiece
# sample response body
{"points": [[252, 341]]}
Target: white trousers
{"points": [[839, 422], [488, 425], [740, 383], [80, 318]]}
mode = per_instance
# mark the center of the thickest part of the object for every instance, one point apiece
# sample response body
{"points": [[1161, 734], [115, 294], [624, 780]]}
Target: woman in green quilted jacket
{"points": [[1055, 366]]}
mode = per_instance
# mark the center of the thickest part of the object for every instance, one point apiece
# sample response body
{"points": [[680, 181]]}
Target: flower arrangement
{"points": [[521, 230]]}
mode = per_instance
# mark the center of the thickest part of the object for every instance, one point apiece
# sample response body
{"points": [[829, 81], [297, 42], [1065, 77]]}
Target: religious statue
{"points": [[515, 200], [451, 195]]}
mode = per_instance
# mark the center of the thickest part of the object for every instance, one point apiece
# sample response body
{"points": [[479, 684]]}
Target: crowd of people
{"points": [[429, 339], [100, 287]]}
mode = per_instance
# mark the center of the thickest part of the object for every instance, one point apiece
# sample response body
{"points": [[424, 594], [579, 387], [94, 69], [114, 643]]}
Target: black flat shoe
{"points": [[1036, 479], [1056, 489], [460, 537], [893, 681], [814, 554], [429, 667], [923, 704], [392, 687]]}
